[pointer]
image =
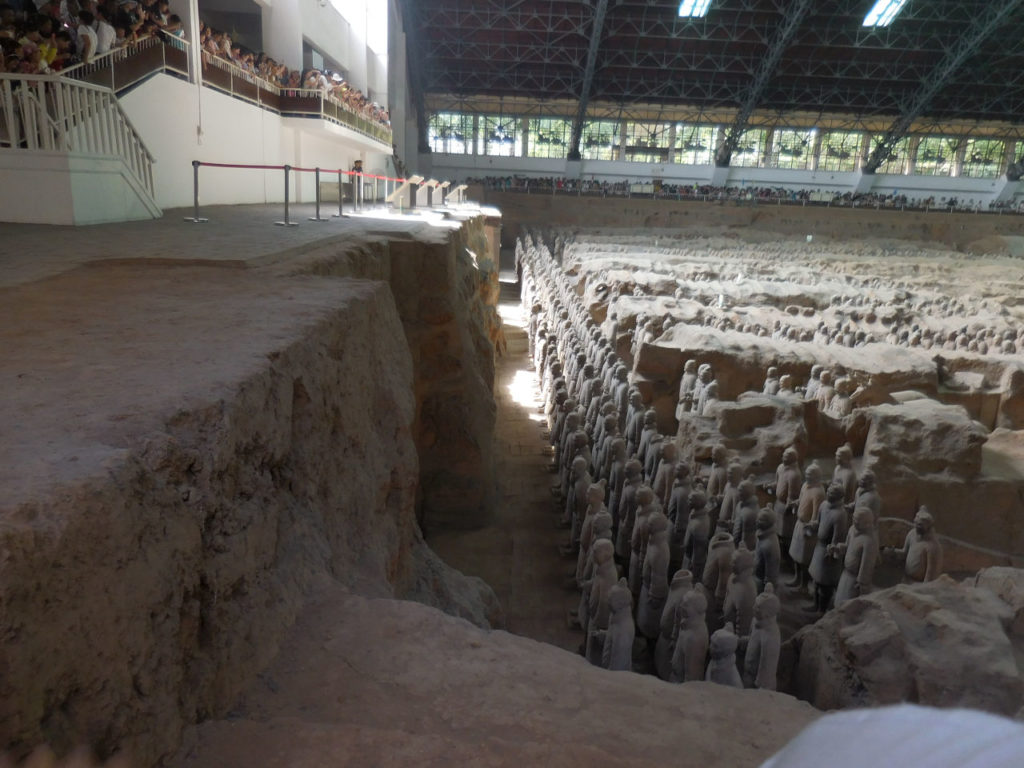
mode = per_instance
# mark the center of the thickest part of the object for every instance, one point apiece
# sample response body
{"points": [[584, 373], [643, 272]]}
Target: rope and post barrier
{"points": [[317, 182], [358, 194], [195, 218], [286, 222]]}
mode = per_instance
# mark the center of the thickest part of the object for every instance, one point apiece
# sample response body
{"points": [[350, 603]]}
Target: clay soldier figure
{"points": [[704, 377], [616, 476], [666, 473], [698, 531], [787, 495], [722, 666], [832, 529], [618, 641], [730, 496], [761, 663], [786, 385], [767, 555], [679, 514], [811, 391], [649, 431], [771, 382], [812, 496], [741, 592], [867, 496], [682, 583], [922, 550], [717, 571], [627, 512], [844, 474], [576, 501], [685, 401], [691, 645], [708, 398], [634, 422], [620, 393], [597, 591], [653, 578], [744, 526], [595, 505], [717, 479], [859, 553], [825, 391], [653, 459], [645, 507]]}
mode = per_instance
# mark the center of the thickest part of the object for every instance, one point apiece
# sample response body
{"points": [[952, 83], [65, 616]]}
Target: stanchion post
{"points": [[287, 222], [317, 177], [341, 197], [195, 218]]}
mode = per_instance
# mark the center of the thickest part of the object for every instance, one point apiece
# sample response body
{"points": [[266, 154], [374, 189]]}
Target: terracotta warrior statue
{"points": [[859, 554], [767, 555], [741, 592], [844, 473], [812, 495], [722, 666], [698, 533], [691, 646], [826, 569], [682, 583], [787, 495], [761, 663], [617, 654], [771, 382], [653, 578], [922, 550], [685, 400], [626, 512], [744, 526]]}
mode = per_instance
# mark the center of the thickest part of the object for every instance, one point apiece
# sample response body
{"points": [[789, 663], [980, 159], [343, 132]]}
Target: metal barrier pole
{"points": [[430, 197], [195, 218], [341, 197], [317, 177], [359, 179], [286, 222], [413, 191]]}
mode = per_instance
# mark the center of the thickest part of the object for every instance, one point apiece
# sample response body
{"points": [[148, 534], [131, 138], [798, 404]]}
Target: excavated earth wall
{"points": [[190, 450]]}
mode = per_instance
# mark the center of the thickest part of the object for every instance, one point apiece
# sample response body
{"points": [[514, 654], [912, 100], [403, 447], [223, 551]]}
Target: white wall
{"points": [[458, 167], [165, 111], [76, 189]]}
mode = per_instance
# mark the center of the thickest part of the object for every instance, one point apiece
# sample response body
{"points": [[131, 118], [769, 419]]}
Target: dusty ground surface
{"points": [[517, 553], [377, 682]]}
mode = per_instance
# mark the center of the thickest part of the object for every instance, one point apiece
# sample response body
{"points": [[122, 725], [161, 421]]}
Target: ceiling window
{"points": [[883, 12], [694, 8]]}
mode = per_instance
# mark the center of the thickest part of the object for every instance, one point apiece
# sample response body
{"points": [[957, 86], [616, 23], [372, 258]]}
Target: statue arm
{"points": [[867, 566]]}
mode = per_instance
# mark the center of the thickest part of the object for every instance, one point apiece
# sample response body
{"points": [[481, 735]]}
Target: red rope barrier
{"points": [[304, 170]]}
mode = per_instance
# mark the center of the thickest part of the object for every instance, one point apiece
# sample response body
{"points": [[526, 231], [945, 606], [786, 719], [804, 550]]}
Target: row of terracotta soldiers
{"points": [[639, 527]]}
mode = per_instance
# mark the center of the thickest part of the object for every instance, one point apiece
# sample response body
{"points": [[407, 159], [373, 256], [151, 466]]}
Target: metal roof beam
{"points": [[596, 30], [794, 16], [990, 19]]}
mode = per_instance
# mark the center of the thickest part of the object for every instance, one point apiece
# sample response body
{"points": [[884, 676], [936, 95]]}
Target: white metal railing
{"points": [[44, 113], [132, 63]]}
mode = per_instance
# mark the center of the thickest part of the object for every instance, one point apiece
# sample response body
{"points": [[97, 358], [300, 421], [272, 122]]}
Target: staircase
{"points": [[54, 134]]}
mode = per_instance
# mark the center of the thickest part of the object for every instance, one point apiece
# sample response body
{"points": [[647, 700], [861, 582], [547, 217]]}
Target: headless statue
{"points": [[722, 665]]}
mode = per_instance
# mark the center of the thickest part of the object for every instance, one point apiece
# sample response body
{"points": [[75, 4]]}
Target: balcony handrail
{"points": [[47, 113]]}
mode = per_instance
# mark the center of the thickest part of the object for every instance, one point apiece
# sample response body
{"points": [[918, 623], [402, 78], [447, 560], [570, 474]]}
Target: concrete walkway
{"points": [[518, 553]]}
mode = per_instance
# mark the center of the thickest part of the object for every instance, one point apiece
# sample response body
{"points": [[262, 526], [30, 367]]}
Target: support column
{"points": [[816, 151], [525, 128], [958, 159], [912, 146], [672, 142], [622, 141], [769, 141]]}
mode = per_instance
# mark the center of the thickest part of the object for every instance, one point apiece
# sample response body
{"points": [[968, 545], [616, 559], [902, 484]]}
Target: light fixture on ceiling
{"points": [[694, 8], [883, 12]]}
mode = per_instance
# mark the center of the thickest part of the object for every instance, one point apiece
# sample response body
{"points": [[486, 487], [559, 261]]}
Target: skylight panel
{"points": [[882, 13], [694, 8]]}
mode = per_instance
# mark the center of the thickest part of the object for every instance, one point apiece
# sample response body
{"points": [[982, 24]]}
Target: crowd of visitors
{"points": [[258, 64], [62, 33], [737, 194]]}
